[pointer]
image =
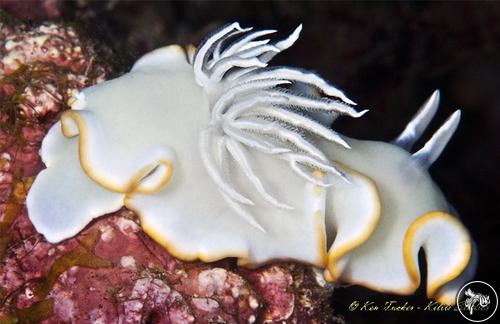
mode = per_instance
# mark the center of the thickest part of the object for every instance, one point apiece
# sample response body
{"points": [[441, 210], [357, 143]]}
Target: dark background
{"points": [[388, 57]]}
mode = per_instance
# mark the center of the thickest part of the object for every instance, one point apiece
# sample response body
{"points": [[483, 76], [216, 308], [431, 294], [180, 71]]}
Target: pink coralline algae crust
{"points": [[275, 284], [45, 43], [112, 272], [41, 68]]}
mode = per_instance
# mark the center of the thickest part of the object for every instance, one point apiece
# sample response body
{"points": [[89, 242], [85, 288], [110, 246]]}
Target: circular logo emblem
{"points": [[477, 301]]}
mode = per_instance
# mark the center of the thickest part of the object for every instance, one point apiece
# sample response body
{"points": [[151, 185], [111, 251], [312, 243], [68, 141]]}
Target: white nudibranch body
{"points": [[222, 156]]}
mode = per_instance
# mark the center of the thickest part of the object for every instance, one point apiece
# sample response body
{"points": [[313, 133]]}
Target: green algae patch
{"points": [[81, 256], [36, 313], [12, 210]]}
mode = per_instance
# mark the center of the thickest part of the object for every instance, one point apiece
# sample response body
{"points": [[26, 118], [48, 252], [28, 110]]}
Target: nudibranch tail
{"points": [[63, 199], [142, 175]]}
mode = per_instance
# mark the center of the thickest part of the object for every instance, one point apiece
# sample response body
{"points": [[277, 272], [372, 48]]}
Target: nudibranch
{"points": [[221, 155]]}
